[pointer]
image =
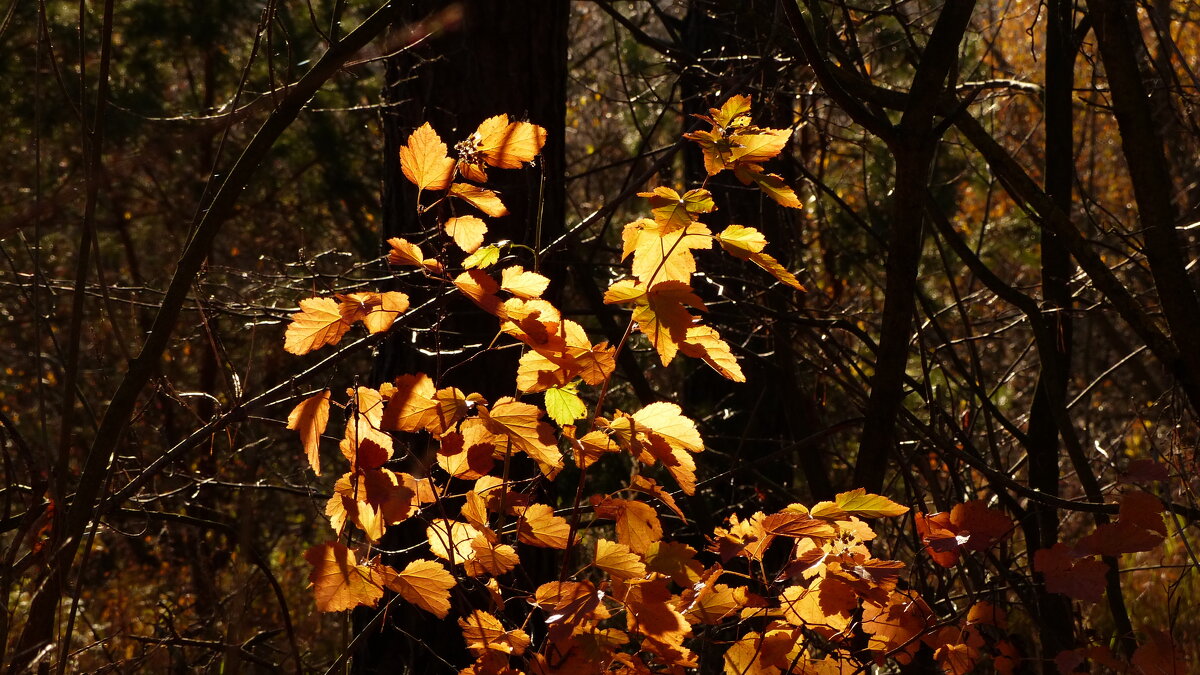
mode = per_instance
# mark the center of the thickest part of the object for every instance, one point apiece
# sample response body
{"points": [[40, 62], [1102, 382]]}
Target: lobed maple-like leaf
{"points": [[521, 424], [502, 144], [673, 211], [424, 160], [747, 243], [468, 452], [484, 632], [404, 252], [662, 254], [638, 526], [372, 499], [424, 583], [523, 284], [539, 526], [318, 323], [309, 418], [466, 231], [894, 625], [416, 404], [481, 198], [825, 606], [491, 558], [339, 582], [618, 560]]}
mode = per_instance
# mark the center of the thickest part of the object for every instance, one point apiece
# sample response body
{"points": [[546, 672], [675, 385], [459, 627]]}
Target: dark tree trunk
{"points": [[489, 58]]}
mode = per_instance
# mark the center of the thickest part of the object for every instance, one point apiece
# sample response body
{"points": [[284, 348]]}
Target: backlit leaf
{"points": [[540, 527], [424, 583], [564, 406], [318, 323], [618, 560], [451, 536], [521, 424], [523, 284], [404, 252], [483, 258], [507, 145], [377, 311], [481, 198], [466, 231], [484, 632], [309, 418], [339, 582], [859, 503], [424, 161]]}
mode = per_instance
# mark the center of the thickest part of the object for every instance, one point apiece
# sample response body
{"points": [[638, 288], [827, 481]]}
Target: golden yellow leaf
{"points": [[491, 558], [309, 418], [523, 284], [481, 288], [704, 342], [451, 536], [318, 323], [638, 526], [377, 311], [424, 162], [507, 145], [416, 405], [660, 255]]}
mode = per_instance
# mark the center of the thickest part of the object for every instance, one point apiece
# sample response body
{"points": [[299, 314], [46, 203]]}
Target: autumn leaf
{"points": [[491, 558], [372, 499], [1139, 528], [618, 560], [825, 605], [481, 198], [894, 625], [424, 161], [466, 231], [673, 211], [1081, 579], [638, 526], [339, 582], [484, 632], [309, 418], [771, 184], [507, 145], [318, 323], [424, 583], [675, 560], [451, 539], [664, 255], [747, 243], [539, 526], [418, 405], [591, 447], [668, 421], [651, 487], [523, 284], [404, 252], [704, 342], [520, 423], [467, 453], [377, 311]]}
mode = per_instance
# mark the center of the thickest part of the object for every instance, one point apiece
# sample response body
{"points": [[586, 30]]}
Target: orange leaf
{"points": [[424, 162], [339, 582], [540, 527], [1081, 579], [676, 560], [672, 211], [405, 252], [481, 288], [507, 145], [424, 583], [491, 558], [481, 198], [825, 606], [417, 405], [771, 184], [894, 626], [467, 232], [484, 632], [372, 499], [618, 560], [318, 323], [309, 417], [467, 454], [651, 487], [638, 526], [520, 423], [797, 525]]}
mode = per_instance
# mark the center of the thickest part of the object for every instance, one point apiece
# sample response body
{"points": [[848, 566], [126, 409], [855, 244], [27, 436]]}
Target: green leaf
{"points": [[864, 505], [563, 405], [484, 257]]}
